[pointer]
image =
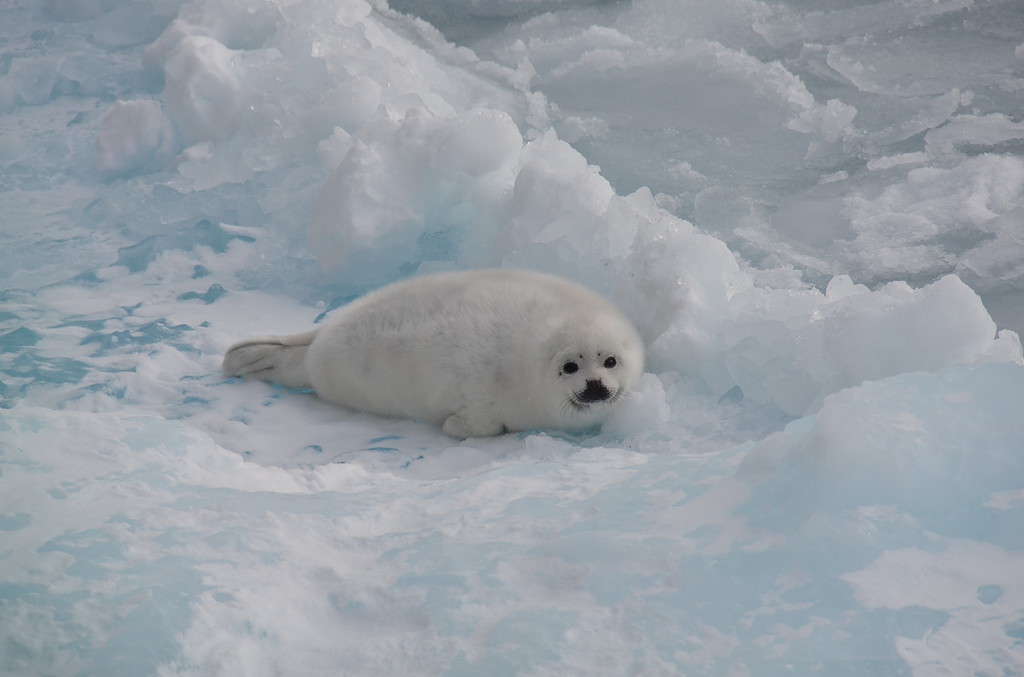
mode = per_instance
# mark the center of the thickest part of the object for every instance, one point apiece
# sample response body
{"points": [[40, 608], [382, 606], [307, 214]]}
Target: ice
{"points": [[480, 142], [971, 134], [849, 85], [78, 10], [134, 135], [836, 456], [708, 319], [932, 481], [203, 90], [645, 410], [812, 214], [949, 571], [410, 178], [793, 349], [919, 219], [34, 79], [582, 543]]}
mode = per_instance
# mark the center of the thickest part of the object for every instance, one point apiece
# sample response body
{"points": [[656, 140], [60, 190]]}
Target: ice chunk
{"points": [[557, 194], [841, 286], [917, 215], [403, 180], [973, 134], [936, 210], [922, 62], [355, 101], [789, 26], [594, 65], [203, 90], [997, 265], [831, 121], [159, 51], [645, 410], [134, 135], [793, 349], [334, 148], [480, 142], [34, 79], [891, 161], [932, 445]]}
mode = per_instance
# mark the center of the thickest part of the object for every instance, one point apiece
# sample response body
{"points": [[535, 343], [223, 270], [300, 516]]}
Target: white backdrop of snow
{"points": [[176, 175]]}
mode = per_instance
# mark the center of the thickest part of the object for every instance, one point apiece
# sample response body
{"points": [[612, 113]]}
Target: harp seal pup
{"points": [[479, 352]]}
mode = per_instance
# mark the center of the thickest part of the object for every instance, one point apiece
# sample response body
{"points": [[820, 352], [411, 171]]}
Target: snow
{"points": [[813, 215]]}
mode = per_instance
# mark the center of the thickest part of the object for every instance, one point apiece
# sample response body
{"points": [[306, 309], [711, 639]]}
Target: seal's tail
{"points": [[279, 359]]}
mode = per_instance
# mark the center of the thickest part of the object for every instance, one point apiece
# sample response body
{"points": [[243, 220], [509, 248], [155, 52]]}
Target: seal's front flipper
{"points": [[462, 426], [278, 359]]}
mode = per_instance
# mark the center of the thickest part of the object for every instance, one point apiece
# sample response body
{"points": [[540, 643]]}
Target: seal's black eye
{"points": [[570, 368], [610, 363]]}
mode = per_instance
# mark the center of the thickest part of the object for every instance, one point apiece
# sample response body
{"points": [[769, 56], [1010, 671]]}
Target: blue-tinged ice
{"points": [[813, 215]]}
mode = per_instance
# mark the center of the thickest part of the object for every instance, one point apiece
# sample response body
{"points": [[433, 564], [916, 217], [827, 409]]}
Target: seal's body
{"points": [[479, 352]]}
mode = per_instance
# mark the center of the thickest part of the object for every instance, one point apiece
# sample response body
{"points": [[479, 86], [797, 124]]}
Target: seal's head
{"points": [[594, 362]]}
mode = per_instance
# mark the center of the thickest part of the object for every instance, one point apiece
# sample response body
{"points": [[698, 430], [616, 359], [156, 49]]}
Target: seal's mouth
{"points": [[576, 402]]}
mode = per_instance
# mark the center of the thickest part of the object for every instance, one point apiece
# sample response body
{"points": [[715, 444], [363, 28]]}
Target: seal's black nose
{"points": [[594, 392]]}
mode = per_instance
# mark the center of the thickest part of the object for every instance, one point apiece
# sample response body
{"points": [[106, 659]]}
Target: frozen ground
{"points": [[813, 211]]}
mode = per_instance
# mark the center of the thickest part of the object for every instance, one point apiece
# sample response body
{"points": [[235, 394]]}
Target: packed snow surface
{"points": [[813, 212]]}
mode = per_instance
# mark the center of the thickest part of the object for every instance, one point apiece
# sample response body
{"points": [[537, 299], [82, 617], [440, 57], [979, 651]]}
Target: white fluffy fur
{"points": [[478, 352]]}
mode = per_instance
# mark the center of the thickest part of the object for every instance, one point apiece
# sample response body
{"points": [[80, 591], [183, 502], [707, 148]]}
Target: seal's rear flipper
{"points": [[278, 359]]}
